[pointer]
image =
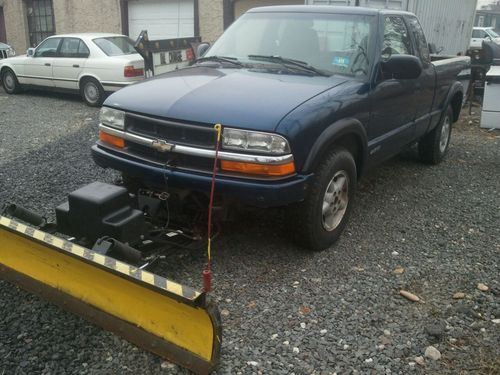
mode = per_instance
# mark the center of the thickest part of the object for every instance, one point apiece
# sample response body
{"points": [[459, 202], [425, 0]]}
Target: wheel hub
{"points": [[445, 135], [91, 92], [9, 81], [335, 201]]}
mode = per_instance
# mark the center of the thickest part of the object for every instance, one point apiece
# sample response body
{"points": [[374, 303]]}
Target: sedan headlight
{"points": [[243, 140], [112, 117]]}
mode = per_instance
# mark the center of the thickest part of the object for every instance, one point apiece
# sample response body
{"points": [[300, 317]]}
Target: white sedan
{"points": [[91, 64]]}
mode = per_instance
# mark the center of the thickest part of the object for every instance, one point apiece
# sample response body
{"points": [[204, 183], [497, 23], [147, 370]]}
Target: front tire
{"points": [[433, 147], [321, 218], [10, 82], [92, 92]]}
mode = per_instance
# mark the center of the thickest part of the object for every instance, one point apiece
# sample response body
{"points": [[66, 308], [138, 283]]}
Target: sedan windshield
{"points": [[115, 45], [332, 43]]}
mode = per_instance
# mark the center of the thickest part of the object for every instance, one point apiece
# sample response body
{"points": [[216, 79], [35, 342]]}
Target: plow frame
{"points": [[156, 290]]}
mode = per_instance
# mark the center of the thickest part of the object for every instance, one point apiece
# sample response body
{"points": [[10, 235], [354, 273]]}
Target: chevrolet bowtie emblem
{"points": [[162, 146]]}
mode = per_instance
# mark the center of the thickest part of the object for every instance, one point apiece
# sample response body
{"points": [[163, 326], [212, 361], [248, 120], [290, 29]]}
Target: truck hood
{"points": [[233, 97]]}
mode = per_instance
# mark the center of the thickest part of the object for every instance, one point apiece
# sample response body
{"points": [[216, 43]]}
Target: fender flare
{"points": [[87, 75], [7, 66], [340, 128], [457, 87]]}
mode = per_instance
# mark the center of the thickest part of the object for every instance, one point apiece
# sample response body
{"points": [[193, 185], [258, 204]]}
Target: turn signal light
{"points": [[129, 71], [258, 169], [111, 139]]}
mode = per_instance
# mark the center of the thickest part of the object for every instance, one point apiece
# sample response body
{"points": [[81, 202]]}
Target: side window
{"points": [[72, 47], [421, 42], [396, 38], [83, 50], [48, 48]]}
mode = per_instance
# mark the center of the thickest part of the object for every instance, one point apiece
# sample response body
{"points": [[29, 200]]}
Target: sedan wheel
{"points": [[92, 92], [10, 82]]}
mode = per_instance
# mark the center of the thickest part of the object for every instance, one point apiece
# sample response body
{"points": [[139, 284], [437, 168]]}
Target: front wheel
{"points": [[321, 218], [92, 92], [10, 82], [433, 147]]}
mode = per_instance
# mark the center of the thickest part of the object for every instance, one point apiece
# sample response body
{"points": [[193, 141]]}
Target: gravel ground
{"points": [[285, 310]]}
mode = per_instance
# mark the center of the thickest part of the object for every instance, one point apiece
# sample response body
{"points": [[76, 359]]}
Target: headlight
{"points": [[11, 52], [112, 117], [243, 140]]}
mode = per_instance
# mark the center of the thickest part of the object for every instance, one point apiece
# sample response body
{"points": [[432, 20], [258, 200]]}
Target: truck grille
{"points": [[172, 132], [3, 54]]}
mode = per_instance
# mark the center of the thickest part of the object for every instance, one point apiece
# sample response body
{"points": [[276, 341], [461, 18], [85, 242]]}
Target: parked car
{"points": [[309, 99], [91, 64], [6, 51], [483, 34]]}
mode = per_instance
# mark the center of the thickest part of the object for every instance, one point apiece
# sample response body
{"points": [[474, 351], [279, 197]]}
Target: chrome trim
{"points": [[194, 151]]}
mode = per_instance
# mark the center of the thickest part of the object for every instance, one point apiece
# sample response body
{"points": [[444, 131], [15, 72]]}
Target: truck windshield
{"points": [[333, 43], [115, 45]]}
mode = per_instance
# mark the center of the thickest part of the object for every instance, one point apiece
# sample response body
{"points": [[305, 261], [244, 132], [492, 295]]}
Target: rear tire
{"points": [[320, 219], [433, 147], [92, 92], [10, 83]]}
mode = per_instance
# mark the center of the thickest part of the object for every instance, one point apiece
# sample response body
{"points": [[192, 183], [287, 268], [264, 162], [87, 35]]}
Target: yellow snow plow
{"points": [[107, 282]]}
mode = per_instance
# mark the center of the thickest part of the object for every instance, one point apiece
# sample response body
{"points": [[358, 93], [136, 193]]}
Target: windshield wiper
{"points": [[221, 59], [286, 61]]}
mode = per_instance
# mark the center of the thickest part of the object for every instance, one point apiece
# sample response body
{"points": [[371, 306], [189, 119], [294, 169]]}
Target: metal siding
{"points": [[446, 23]]}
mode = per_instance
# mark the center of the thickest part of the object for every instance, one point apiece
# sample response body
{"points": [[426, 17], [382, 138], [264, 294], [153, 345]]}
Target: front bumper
{"points": [[260, 193]]}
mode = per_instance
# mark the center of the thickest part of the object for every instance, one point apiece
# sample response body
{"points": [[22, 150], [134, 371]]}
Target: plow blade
{"points": [[158, 315]]}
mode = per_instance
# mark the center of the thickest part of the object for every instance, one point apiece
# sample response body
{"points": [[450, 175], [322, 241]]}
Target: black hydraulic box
{"points": [[98, 210]]}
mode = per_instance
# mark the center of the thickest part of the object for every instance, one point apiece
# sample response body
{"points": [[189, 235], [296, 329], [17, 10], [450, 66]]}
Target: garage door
{"points": [[163, 19]]}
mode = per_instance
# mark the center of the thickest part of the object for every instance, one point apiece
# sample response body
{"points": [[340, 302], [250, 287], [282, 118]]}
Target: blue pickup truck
{"points": [[309, 98]]}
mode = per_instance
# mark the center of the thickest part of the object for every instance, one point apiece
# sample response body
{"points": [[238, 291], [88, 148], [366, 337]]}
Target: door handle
{"points": [[76, 66], [47, 64]]}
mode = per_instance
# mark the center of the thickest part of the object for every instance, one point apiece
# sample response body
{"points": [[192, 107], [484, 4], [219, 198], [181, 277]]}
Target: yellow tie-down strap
{"points": [[159, 315]]}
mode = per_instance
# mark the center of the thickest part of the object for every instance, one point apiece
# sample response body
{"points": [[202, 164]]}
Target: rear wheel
{"points": [[321, 218], [434, 146], [10, 82], [92, 92]]}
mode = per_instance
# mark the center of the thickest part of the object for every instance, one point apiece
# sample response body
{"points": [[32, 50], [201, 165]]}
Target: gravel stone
{"points": [[432, 353], [422, 213]]}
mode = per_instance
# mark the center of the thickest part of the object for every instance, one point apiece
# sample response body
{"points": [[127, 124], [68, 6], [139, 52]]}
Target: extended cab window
{"points": [[396, 38], [73, 48], [422, 46], [48, 48]]}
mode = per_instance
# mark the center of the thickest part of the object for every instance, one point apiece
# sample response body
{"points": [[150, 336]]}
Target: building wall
{"points": [[211, 19], [16, 24], [78, 16], [241, 6], [71, 16]]}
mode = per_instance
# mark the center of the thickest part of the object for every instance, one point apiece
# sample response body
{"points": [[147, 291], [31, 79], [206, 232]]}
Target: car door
{"points": [[426, 84], [38, 69], [392, 100], [478, 36], [69, 63]]}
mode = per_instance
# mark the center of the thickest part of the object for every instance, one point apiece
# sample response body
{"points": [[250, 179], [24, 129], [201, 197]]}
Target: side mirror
{"points": [[30, 52], [201, 49], [402, 67]]}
